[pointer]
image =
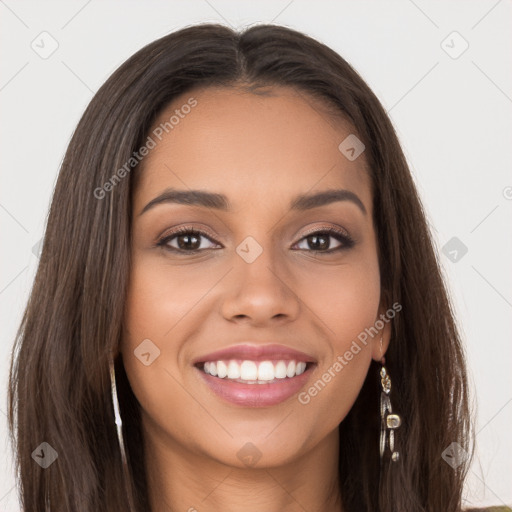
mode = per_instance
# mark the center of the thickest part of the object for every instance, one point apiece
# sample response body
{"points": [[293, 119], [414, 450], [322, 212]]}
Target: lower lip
{"points": [[257, 395]]}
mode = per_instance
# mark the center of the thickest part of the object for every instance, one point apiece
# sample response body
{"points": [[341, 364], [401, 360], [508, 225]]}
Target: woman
{"points": [[238, 304]]}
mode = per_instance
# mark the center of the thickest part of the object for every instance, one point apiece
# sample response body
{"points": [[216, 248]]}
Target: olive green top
{"points": [[490, 509]]}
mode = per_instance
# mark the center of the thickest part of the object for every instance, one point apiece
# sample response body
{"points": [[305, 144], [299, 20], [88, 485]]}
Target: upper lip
{"points": [[271, 352]]}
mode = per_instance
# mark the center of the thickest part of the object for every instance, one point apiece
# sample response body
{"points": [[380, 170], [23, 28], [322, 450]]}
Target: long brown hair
{"points": [[59, 381]]}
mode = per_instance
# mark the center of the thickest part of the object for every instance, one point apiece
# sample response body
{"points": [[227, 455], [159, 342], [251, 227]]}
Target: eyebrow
{"points": [[217, 201]]}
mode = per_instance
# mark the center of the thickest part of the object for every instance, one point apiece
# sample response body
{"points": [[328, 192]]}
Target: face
{"points": [[261, 271]]}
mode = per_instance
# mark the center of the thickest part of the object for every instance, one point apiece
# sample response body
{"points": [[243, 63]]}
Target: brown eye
{"points": [[185, 240], [319, 241]]}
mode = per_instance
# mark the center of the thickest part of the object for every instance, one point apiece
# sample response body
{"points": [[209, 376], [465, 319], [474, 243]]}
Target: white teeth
{"points": [[266, 371], [280, 370], [290, 371], [222, 369], [248, 370], [254, 372], [233, 370]]}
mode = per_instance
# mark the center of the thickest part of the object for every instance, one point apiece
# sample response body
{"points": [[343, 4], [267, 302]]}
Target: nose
{"points": [[260, 291]]}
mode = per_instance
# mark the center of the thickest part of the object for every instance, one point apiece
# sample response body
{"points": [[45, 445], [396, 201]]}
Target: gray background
{"points": [[451, 111]]}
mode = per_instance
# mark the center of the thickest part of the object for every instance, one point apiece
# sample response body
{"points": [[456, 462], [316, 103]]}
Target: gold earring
{"points": [[389, 421]]}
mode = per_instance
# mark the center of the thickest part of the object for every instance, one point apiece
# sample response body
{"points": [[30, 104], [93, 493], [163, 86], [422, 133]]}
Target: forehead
{"points": [[255, 148]]}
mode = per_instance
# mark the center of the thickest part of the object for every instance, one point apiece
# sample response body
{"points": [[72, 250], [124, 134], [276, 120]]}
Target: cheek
{"points": [[346, 300], [159, 318], [153, 308], [160, 301]]}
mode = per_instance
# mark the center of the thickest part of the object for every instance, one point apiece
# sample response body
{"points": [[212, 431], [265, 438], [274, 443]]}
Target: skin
{"points": [[192, 304]]}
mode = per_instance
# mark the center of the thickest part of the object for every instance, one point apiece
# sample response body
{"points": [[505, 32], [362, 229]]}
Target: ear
{"points": [[381, 341]]}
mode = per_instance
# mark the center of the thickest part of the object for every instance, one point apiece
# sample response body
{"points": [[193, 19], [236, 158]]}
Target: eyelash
{"points": [[344, 238]]}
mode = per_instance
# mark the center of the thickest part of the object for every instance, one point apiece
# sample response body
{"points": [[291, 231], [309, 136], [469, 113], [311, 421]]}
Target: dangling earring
{"points": [[118, 421], [119, 425], [389, 421]]}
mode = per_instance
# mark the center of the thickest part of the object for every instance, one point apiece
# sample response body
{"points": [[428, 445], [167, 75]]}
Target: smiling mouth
{"points": [[255, 372]]}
